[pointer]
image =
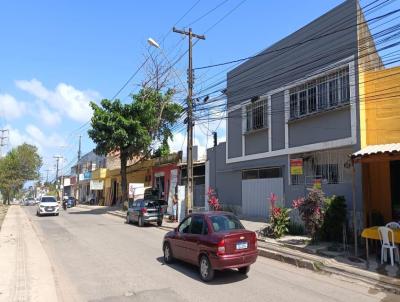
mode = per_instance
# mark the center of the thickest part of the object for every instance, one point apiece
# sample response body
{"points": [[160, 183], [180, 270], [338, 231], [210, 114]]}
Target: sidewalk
{"points": [[298, 257], [26, 273]]}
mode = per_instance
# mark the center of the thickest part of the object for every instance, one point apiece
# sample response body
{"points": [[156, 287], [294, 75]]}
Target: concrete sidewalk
{"points": [[26, 272]]}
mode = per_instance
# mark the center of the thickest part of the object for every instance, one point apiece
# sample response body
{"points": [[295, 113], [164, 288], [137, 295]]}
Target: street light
{"points": [[153, 43]]}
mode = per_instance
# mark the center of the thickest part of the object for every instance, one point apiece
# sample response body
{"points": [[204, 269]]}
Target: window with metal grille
{"points": [[323, 93], [330, 166], [256, 115]]}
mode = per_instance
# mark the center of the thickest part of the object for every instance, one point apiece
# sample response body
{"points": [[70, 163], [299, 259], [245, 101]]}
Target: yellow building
{"points": [[380, 132], [139, 172]]}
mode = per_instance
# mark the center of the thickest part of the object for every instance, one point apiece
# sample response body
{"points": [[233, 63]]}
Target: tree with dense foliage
{"points": [[20, 165], [136, 129]]}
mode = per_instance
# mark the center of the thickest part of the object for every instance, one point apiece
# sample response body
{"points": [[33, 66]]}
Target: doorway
{"points": [[395, 188]]}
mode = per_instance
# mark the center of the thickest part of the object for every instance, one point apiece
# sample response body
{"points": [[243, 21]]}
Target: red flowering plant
{"points": [[311, 210], [279, 217], [213, 201]]}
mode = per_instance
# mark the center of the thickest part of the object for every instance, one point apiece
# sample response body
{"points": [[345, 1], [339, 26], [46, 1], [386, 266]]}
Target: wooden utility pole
{"points": [[190, 124], [57, 157]]}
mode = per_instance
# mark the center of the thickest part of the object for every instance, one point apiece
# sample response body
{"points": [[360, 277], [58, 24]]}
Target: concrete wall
{"points": [[322, 127], [235, 133], [256, 141], [278, 121]]}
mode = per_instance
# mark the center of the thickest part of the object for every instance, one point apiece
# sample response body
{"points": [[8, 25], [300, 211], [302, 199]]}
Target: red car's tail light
{"points": [[221, 247]]}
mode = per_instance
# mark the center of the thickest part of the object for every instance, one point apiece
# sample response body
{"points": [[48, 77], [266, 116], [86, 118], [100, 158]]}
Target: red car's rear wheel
{"points": [[206, 271]]}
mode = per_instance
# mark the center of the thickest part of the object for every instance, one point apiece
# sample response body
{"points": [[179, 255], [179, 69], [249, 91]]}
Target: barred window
{"points": [[293, 105], [256, 115], [320, 94], [330, 167]]}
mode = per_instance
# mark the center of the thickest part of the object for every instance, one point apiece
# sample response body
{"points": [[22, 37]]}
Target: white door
{"points": [[256, 193]]}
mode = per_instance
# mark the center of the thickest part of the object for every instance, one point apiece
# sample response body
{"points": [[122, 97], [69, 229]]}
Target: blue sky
{"points": [[56, 56]]}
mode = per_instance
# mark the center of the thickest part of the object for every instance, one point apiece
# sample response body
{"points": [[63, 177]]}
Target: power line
{"points": [[295, 44]]}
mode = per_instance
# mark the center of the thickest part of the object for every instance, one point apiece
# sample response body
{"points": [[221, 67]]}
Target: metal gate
{"points": [[255, 195]]}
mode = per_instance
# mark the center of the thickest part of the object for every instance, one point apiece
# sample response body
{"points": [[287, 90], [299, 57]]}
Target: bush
{"points": [[280, 221], [311, 211], [296, 229], [335, 219]]}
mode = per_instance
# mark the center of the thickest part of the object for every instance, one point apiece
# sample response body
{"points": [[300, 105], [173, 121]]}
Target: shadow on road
{"points": [[89, 212], [192, 271]]}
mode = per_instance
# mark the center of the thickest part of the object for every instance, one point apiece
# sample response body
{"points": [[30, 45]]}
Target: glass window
{"points": [[345, 87], [205, 229], [197, 225], [328, 172], [221, 223], [322, 96], [256, 115], [250, 174], [303, 102], [321, 93], [333, 92], [270, 173], [312, 99], [293, 105], [48, 199], [185, 225]]}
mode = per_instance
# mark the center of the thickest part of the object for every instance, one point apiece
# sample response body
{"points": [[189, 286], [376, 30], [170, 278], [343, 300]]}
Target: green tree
{"points": [[136, 129], [20, 165]]}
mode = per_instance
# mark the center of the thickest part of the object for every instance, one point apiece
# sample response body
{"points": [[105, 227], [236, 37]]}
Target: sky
{"points": [[57, 56]]}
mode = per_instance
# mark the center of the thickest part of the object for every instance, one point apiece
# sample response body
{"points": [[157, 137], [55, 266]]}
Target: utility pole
{"points": [[57, 157], [79, 148], [4, 134], [47, 175], [77, 191], [189, 166]]}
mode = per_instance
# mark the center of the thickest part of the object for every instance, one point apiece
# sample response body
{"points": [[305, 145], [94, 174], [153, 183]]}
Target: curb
{"points": [[325, 267], [290, 259]]}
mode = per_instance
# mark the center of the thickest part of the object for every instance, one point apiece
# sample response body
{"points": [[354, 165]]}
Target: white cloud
{"points": [[48, 141], [50, 118], [10, 108], [65, 99]]}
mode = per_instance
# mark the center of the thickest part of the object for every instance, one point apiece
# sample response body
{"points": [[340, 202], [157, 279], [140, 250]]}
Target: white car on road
{"points": [[47, 205]]}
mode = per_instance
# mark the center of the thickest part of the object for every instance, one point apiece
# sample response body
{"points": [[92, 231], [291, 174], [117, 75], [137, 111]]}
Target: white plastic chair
{"points": [[385, 235], [393, 225]]}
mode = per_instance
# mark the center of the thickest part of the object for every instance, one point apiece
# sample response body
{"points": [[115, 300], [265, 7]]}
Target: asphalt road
{"points": [[97, 257]]}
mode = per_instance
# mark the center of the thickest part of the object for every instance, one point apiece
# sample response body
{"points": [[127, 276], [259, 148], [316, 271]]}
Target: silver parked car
{"points": [[144, 211]]}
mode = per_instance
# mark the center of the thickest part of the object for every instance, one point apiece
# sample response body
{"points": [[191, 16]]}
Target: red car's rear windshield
{"points": [[222, 223]]}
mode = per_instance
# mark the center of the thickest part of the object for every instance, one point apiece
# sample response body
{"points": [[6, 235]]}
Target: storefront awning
{"points": [[386, 152]]}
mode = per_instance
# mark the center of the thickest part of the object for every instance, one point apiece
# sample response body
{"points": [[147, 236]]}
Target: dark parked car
{"points": [[144, 211], [212, 241]]}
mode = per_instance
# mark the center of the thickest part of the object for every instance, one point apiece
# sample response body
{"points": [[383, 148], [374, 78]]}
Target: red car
{"points": [[212, 241]]}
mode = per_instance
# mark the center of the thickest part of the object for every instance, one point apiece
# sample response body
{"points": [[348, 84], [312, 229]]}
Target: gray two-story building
{"points": [[293, 116]]}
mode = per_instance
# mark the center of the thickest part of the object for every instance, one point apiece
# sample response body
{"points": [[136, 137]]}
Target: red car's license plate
{"points": [[241, 245]]}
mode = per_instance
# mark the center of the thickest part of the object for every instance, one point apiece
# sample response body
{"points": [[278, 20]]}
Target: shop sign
{"points": [[96, 184], [296, 166]]}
